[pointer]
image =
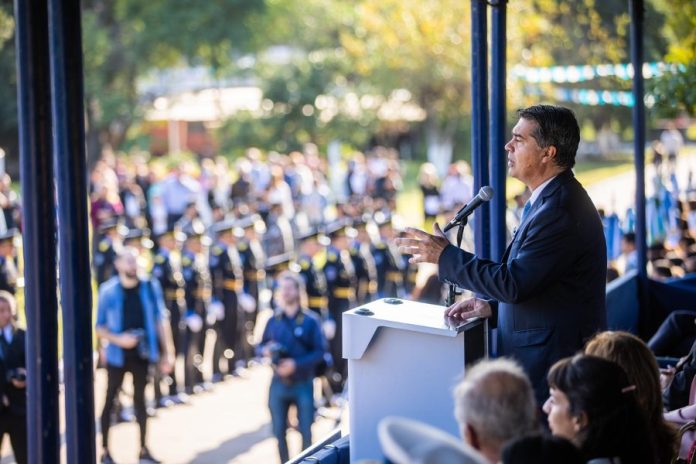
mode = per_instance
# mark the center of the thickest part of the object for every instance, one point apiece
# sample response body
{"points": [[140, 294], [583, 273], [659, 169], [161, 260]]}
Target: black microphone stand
{"points": [[452, 291]]}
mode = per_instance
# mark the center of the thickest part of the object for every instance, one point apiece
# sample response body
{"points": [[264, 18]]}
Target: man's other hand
{"points": [[286, 367], [423, 247], [127, 341], [466, 309]]}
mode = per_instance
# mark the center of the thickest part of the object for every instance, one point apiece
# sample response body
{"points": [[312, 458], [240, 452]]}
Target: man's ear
{"points": [[550, 152], [471, 437]]}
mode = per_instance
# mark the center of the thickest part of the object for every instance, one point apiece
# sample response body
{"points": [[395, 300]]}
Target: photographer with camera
{"points": [[132, 318], [295, 344], [13, 378]]}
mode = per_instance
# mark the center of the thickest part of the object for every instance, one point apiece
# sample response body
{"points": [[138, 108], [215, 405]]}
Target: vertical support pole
{"points": [[39, 245], [636, 9], [498, 131], [479, 121], [73, 239]]}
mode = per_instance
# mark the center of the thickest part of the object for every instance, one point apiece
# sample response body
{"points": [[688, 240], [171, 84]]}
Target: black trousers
{"points": [[16, 427], [138, 369]]}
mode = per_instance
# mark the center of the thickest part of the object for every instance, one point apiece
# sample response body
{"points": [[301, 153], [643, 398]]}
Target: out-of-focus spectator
{"points": [[457, 187], [13, 378], [177, 192], [294, 343], [672, 141], [536, 449], [628, 250], [131, 317], [593, 405], [494, 404], [428, 183], [9, 202], [631, 353]]}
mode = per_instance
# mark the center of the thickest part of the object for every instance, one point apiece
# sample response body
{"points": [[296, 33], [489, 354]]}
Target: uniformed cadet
{"points": [[227, 276], [167, 270], [140, 240], [364, 262], [253, 259], [311, 245], [389, 276], [409, 271], [198, 293], [278, 238], [274, 266], [8, 266], [105, 253], [340, 283]]}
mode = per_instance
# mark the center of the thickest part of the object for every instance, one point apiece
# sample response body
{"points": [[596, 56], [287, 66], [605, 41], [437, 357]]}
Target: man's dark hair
{"points": [[630, 237], [556, 126]]}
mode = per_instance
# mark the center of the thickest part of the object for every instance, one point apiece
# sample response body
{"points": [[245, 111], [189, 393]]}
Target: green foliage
{"points": [[124, 39], [8, 84], [304, 101], [675, 92]]}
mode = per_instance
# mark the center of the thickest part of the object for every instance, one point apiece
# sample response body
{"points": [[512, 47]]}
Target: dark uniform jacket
{"points": [[365, 272], [226, 272], [197, 280], [315, 284], [253, 263], [104, 258], [389, 277], [12, 356], [171, 279]]}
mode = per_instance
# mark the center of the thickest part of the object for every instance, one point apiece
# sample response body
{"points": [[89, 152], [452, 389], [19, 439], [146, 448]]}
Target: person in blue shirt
{"points": [[132, 319], [294, 342]]}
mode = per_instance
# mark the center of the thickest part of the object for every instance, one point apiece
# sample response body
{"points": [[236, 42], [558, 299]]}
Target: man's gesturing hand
{"points": [[423, 247]]}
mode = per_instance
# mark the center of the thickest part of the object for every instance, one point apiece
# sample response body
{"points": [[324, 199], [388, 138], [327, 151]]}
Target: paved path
{"points": [[228, 425]]}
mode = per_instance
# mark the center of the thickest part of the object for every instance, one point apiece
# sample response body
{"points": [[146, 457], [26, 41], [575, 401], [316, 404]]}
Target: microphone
{"points": [[484, 195]]}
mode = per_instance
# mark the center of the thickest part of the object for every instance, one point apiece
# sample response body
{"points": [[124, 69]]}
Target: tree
{"points": [[675, 91], [124, 39], [422, 46]]}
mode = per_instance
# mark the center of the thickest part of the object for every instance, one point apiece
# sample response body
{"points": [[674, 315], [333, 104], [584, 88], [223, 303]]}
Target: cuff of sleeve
{"points": [[493, 320]]}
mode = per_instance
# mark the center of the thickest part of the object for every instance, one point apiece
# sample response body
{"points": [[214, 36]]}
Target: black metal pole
{"points": [[71, 180], [498, 132], [39, 245], [637, 16], [479, 121]]}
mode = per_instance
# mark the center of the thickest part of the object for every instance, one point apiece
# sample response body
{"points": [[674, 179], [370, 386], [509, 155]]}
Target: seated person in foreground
{"points": [[495, 404], [593, 405]]}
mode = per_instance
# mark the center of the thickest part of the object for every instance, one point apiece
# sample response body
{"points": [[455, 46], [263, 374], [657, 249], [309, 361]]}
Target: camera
{"points": [[278, 352], [143, 348]]}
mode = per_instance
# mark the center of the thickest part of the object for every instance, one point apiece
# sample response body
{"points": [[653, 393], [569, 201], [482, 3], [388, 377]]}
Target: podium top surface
{"points": [[361, 323], [423, 317]]}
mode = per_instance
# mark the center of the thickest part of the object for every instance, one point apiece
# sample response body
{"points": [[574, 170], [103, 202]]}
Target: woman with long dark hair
{"points": [[593, 404], [641, 368]]}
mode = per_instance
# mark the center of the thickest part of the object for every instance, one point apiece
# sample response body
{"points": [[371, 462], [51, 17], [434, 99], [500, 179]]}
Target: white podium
{"points": [[404, 359]]}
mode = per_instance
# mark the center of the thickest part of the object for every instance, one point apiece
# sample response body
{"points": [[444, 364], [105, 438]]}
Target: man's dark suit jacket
{"points": [[548, 294], [13, 359]]}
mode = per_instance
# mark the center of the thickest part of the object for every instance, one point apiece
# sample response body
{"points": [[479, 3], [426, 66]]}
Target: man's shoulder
{"points": [[110, 285]]}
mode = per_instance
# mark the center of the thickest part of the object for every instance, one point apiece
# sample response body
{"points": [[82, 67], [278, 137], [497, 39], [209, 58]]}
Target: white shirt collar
{"points": [[537, 191], [8, 332]]}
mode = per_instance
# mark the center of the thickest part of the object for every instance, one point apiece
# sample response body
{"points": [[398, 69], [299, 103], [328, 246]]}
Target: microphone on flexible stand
{"points": [[484, 195]]}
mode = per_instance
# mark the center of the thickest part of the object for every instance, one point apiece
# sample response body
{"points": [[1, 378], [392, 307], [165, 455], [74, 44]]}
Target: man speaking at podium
{"points": [[547, 296]]}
